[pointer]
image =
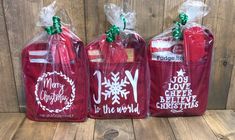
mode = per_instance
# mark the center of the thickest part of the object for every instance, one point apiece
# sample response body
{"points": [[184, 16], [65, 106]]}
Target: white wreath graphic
{"points": [[70, 81]]}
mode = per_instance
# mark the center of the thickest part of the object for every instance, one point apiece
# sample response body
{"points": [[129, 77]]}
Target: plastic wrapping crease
{"points": [[119, 71], [55, 72], [180, 69]]}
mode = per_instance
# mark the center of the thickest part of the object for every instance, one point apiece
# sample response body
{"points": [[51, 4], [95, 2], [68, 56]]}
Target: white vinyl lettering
{"points": [[98, 73], [134, 82], [115, 89]]}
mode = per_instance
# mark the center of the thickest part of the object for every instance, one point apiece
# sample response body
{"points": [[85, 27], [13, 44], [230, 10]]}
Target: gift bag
{"points": [[180, 63], [55, 72], [118, 69]]}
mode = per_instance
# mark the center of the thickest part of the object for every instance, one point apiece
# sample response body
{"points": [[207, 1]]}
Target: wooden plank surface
{"points": [[114, 129], [222, 123], [85, 131], [95, 19], [88, 19], [9, 123], [191, 128], [171, 12], [65, 131], [72, 131], [224, 51], [20, 31], [8, 96], [214, 124], [153, 129], [31, 130], [149, 15], [231, 94]]}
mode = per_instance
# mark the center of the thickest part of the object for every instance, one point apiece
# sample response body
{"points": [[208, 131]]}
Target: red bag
{"points": [[55, 75], [118, 71], [180, 70]]}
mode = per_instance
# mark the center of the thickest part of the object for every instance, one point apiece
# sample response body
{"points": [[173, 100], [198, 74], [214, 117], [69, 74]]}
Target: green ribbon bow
{"points": [[112, 33], [177, 31], [56, 27], [114, 30]]}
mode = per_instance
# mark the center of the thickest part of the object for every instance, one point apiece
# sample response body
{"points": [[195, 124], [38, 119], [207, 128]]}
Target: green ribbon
{"points": [[183, 18], [124, 21], [114, 30], [177, 31], [56, 27], [112, 33]]}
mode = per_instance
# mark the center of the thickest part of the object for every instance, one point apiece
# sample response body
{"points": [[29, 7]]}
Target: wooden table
{"points": [[215, 124]]}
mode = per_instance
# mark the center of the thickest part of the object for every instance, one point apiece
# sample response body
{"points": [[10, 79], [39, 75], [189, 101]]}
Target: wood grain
{"points": [[8, 94], [9, 123], [223, 24], [95, 19], [153, 129], [149, 15], [31, 130], [215, 124], [191, 128], [72, 131], [17, 24], [222, 123], [231, 94], [114, 129], [66, 131], [85, 131], [20, 31], [171, 12]]}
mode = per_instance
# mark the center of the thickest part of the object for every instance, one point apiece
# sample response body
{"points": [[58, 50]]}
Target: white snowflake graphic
{"points": [[115, 88]]}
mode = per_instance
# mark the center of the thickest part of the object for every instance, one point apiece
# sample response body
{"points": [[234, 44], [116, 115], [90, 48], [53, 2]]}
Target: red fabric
{"points": [[115, 67], [194, 43], [179, 88], [62, 89]]}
